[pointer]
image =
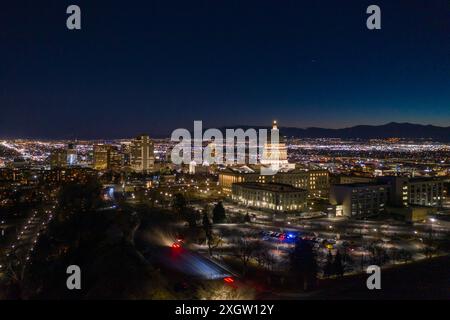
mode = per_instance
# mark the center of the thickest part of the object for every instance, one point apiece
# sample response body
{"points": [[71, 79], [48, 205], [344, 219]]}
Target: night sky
{"points": [[153, 66]]}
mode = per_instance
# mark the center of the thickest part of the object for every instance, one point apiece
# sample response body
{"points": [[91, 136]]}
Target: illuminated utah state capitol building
{"points": [[285, 191], [275, 153]]}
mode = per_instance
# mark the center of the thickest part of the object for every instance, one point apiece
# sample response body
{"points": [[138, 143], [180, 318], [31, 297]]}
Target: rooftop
{"points": [[248, 169], [274, 187], [360, 185]]}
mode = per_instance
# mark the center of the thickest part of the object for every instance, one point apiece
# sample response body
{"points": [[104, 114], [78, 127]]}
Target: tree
{"points": [[206, 223], [378, 255], [247, 218], [269, 260], [304, 264], [444, 244], [207, 227], [245, 249], [101, 244], [394, 254], [221, 291], [14, 284], [404, 255], [347, 259], [219, 213], [179, 203], [338, 268], [80, 196], [215, 242], [328, 268], [190, 216]]}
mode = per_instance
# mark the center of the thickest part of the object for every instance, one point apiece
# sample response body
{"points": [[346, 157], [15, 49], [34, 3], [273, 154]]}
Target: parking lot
{"points": [[358, 241]]}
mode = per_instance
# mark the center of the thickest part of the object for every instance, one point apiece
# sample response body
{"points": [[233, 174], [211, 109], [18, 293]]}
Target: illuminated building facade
{"points": [[316, 182], [429, 192], [58, 158], [426, 192], [270, 196], [72, 157], [100, 157], [115, 159], [275, 153], [359, 199], [142, 157]]}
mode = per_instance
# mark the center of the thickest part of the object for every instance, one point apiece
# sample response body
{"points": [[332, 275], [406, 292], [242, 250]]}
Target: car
{"points": [[179, 238], [176, 245], [291, 236], [179, 242]]}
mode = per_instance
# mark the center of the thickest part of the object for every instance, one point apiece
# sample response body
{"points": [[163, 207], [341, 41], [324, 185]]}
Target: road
{"points": [[187, 262], [18, 251]]}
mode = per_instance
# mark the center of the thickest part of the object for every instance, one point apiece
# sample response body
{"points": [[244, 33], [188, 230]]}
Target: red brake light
{"points": [[228, 280]]}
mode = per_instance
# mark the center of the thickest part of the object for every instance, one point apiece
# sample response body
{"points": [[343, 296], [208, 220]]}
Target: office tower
{"points": [[424, 191], [360, 199], [125, 149], [115, 159], [71, 155], [58, 158], [100, 157], [142, 157]]}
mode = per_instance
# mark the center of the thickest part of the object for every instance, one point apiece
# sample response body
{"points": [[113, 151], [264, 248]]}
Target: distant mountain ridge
{"points": [[389, 130]]}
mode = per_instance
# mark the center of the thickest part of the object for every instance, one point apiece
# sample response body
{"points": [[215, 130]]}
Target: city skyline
{"points": [[262, 153], [155, 66]]}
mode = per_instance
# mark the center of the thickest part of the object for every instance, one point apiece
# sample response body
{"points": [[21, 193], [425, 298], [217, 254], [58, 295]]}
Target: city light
{"points": [[109, 189]]}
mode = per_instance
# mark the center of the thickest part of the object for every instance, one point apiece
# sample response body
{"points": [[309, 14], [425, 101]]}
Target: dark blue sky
{"points": [[152, 66]]}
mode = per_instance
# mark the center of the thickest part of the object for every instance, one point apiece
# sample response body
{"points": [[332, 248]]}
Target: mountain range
{"points": [[389, 130]]}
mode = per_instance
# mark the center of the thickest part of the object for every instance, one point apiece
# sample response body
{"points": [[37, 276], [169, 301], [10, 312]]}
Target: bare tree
{"points": [[220, 291], [245, 249]]}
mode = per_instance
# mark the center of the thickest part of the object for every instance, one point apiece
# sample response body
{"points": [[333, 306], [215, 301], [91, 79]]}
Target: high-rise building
{"points": [[101, 157], [115, 159], [126, 154], [107, 157], [58, 158], [142, 157], [71, 155]]}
